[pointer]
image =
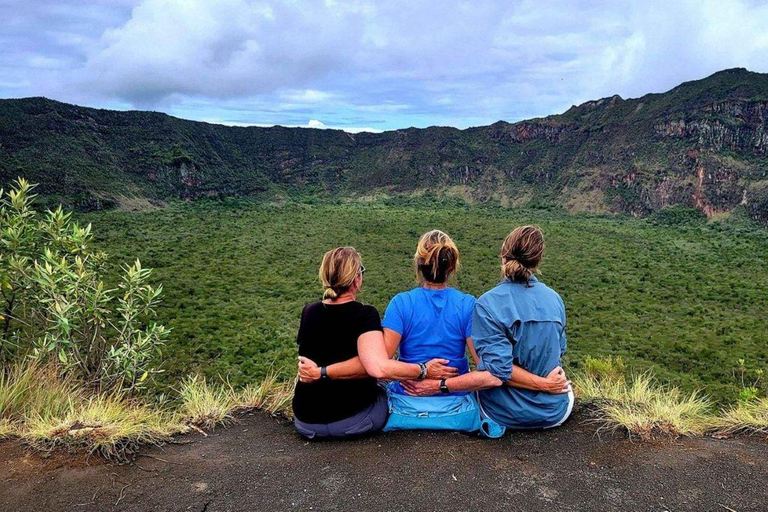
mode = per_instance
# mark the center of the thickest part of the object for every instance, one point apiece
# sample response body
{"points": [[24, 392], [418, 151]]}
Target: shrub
{"points": [[605, 368], [677, 215], [56, 304]]}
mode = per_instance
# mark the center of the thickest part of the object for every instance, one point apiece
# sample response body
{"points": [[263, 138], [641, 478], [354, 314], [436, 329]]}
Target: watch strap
{"points": [[423, 371], [444, 387], [324, 372]]}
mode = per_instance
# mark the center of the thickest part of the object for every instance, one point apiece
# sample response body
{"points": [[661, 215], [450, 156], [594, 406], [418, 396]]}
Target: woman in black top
{"points": [[335, 397]]}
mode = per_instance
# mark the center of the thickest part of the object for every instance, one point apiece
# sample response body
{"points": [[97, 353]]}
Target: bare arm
{"points": [[554, 383], [472, 381], [349, 369], [353, 368], [377, 362], [391, 341], [472, 351]]}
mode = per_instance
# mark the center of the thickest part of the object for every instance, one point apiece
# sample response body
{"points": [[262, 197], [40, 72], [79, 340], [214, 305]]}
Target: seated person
{"points": [[338, 398], [519, 322], [433, 320]]}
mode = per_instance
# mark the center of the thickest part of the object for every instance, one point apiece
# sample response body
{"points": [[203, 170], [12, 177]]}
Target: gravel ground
{"points": [[261, 464]]}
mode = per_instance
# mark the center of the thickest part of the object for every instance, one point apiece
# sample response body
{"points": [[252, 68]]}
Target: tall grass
{"points": [[46, 410], [271, 395], [7, 429], [206, 405], [750, 417], [112, 425], [639, 405]]}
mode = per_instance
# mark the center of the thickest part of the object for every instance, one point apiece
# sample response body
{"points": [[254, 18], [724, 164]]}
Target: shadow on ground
{"points": [[261, 464]]}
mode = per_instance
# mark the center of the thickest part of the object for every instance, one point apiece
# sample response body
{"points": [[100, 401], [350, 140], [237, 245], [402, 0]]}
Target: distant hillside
{"points": [[702, 144]]}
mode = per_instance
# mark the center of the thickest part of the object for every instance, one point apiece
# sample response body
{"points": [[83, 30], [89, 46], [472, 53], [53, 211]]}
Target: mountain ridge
{"points": [[701, 144]]}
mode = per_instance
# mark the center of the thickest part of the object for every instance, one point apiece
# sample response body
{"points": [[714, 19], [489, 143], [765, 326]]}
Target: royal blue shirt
{"points": [[432, 324], [521, 324]]}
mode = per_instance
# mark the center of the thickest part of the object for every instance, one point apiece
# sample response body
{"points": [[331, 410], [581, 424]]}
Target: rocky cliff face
{"points": [[702, 144], [527, 131], [734, 125]]}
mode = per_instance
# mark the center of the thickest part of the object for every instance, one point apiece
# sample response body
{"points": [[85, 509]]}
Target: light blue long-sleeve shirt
{"points": [[521, 324]]}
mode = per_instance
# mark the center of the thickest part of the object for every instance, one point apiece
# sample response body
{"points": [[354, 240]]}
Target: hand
{"points": [[556, 383], [421, 387], [436, 369], [308, 370]]}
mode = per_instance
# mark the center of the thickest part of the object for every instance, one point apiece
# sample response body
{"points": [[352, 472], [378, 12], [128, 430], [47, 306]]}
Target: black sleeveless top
{"points": [[328, 334]]}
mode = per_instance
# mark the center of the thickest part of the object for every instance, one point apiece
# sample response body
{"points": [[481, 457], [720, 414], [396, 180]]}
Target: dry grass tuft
{"points": [[8, 429], [206, 405], [748, 417], [112, 425], [46, 411], [639, 405], [270, 395]]}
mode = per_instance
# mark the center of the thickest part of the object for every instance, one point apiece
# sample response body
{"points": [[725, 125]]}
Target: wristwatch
{"points": [[444, 387], [323, 373]]}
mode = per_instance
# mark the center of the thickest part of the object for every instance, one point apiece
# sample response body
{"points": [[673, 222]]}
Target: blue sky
{"points": [[368, 64]]}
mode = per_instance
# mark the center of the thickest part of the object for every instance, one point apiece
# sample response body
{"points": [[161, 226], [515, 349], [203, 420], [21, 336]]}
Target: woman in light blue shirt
{"points": [[519, 322]]}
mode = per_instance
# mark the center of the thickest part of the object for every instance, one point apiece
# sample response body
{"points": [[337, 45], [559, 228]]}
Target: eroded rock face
{"points": [[734, 125], [527, 131]]}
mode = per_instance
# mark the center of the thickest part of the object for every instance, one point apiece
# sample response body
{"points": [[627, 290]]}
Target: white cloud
{"points": [[222, 49], [313, 123], [371, 63], [307, 96]]}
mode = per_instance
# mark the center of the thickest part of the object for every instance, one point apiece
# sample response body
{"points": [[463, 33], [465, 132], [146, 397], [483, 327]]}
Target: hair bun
{"points": [[522, 249], [436, 258]]}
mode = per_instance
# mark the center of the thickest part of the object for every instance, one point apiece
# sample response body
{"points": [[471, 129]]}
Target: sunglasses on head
{"points": [[362, 270]]}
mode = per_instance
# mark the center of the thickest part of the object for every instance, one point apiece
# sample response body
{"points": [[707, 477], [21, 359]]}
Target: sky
{"points": [[365, 64]]}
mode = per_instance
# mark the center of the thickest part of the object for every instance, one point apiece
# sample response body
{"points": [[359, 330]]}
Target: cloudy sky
{"points": [[368, 64]]}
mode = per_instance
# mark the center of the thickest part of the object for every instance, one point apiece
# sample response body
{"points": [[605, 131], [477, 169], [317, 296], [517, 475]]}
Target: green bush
{"points": [[677, 215], [609, 368], [55, 304]]}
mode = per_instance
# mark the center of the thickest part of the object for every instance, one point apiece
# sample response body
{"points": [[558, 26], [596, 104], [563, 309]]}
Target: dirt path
{"points": [[259, 464]]}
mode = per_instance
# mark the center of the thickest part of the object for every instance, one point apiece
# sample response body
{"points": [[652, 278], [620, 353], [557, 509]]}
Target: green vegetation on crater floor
{"points": [[676, 294]]}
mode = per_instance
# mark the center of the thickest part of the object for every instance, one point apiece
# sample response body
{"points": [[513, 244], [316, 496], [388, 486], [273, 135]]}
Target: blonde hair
{"points": [[436, 258], [338, 270], [522, 250]]}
